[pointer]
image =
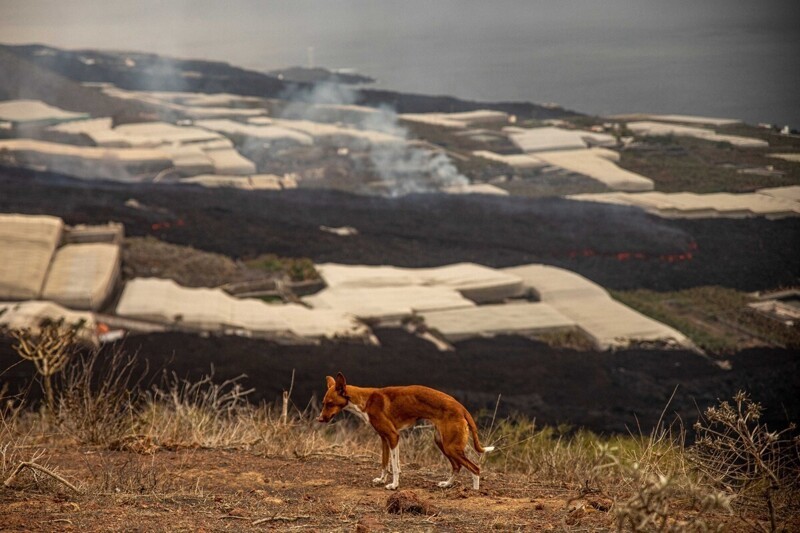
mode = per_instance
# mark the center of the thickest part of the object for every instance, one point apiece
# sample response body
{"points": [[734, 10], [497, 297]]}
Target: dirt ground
{"points": [[198, 490]]}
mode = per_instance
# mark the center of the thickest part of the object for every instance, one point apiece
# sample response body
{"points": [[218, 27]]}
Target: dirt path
{"points": [[228, 491]]}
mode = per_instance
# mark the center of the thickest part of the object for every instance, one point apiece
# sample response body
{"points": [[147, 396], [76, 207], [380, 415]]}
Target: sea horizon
{"points": [[722, 58]]}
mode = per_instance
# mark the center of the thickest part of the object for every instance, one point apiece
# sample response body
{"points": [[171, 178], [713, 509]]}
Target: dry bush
{"points": [[10, 439], [49, 348], [656, 487], [9, 445], [18, 444], [663, 503], [662, 495], [98, 399], [182, 413], [131, 475], [740, 455]]}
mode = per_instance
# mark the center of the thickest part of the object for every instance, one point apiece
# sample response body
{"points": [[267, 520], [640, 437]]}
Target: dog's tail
{"points": [[473, 429]]}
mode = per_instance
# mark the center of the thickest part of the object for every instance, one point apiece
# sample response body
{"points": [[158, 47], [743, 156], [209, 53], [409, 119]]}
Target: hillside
{"points": [[138, 71], [202, 416], [22, 79]]}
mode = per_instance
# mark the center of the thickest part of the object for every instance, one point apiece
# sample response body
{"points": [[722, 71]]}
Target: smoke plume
{"points": [[403, 167]]}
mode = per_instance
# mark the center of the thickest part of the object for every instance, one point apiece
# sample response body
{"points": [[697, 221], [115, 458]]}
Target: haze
{"points": [[718, 57]]}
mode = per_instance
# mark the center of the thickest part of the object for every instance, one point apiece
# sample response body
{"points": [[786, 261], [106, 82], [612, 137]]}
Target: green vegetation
{"points": [[440, 136], [533, 123], [296, 269], [572, 339], [777, 142], [151, 257], [482, 169], [717, 319], [586, 121], [684, 164]]}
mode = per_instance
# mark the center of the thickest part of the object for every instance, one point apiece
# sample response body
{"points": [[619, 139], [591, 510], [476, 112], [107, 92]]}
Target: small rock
{"points": [[368, 525], [601, 504], [574, 516], [406, 501]]}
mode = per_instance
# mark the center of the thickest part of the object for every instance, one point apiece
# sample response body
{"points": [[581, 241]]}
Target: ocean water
{"points": [[726, 58]]}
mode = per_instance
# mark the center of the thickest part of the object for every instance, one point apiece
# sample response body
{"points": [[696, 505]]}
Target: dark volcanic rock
{"points": [[319, 74], [618, 247], [603, 391]]}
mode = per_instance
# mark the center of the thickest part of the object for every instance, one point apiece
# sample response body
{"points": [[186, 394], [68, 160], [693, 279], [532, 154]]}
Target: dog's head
{"points": [[336, 398]]}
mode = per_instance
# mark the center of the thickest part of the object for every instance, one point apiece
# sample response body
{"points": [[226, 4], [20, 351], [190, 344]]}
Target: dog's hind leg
{"points": [[476, 481], [437, 438], [474, 469], [384, 462], [455, 444]]}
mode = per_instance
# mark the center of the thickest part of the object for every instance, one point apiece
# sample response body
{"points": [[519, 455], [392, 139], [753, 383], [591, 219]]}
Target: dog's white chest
{"points": [[358, 412]]}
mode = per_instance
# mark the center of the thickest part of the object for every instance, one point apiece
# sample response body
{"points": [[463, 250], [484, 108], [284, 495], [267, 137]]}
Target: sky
{"points": [[715, 57]]}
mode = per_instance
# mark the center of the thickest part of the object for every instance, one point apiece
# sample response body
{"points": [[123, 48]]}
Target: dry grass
{"points": [[647, 480]]}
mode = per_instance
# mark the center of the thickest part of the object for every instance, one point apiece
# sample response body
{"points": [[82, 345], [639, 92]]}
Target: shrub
{"points": [[738, 454], [49, 348], [296, 269], [99, 398]]}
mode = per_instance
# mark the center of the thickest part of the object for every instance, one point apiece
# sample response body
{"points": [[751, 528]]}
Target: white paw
{"points": [[392, 486], [445, 484], [379, 480]]}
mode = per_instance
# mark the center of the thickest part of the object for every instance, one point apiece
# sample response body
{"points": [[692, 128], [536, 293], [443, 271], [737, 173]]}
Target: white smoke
{"points": [[309, 104], [403, 167]]}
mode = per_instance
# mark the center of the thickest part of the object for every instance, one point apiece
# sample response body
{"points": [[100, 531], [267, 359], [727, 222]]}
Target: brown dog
{"points": [[391, 409]]}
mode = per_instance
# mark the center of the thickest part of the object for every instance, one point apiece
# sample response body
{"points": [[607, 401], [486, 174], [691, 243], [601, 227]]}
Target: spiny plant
{"points": [[742, 456]]}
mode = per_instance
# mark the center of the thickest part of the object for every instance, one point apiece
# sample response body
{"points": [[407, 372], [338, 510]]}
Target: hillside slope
{"points": [[139, 71], [22, 79]]}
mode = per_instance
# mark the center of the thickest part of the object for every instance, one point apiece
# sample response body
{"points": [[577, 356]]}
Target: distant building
{"points": [[84, 162], [42, 259], [26, 116]]}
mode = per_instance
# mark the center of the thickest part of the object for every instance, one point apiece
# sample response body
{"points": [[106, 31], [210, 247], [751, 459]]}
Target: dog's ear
{"points": [[329, 381], [341, 384]]}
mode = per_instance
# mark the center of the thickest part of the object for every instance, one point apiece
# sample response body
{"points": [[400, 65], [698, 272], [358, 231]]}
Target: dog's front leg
{"points": [[384, 462], [394, 456], [390, 436]]}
